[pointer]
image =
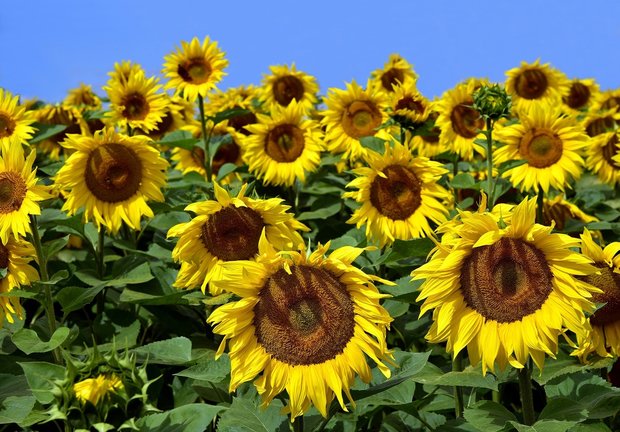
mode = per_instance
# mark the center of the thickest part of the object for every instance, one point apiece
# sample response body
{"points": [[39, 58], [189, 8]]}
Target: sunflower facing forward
{"points": [[505, 288], [396, 72], [306, 322], [535, 82], [399, 195], [603, 157], [111, 176], [286, 84], [15, 121]]}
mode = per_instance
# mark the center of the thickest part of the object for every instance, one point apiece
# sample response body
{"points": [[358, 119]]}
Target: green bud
{"points": [[492, 102]]}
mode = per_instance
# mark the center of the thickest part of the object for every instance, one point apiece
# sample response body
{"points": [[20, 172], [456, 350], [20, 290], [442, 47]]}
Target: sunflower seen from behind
{"points": [[399, 195], [111, 176], [505, 288], [534, 82], [15, 121], [305, 323]]}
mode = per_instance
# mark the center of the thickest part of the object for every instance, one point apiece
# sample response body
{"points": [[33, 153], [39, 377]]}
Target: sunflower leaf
{"points": [[41, 377], [180, 138], [228, 114], [373, 143], [488, 416], [45, 131], [28, 340], [194, 417]]}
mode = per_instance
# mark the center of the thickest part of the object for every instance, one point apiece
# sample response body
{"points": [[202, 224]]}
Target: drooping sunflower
{"points": [[559, 211], [399, 194], [598, 122], [535, 82], [285, 84], [505, 289], [15, 121], [65, 115], [227, 229], [550, 142], [111, 176], [283, 146], [459, 122], [581, 95], [19, 193], [195, 68], [95, 390], [83, 97], [352, 114], [15, 254], [396, 72], [607, 100], [137, 102], [603, 157], [306, 322], [604, 335]]}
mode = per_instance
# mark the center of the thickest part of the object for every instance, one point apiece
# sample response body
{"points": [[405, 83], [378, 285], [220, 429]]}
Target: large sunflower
{"points": [[534, 82], [226, 229], [15, 254], [459, 122], [603, 157], [306, 322], [504, 288], [604, 336], [549, 142], [396, 71], [111, 176], [286, 84], [352, 114], [399, 194], [19, 193], [283, 146], [195, 68], [15, 121]]}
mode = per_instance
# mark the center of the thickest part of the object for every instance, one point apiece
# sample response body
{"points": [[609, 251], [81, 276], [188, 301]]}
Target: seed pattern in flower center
{"points": [[610, 150], [13, 190], [284, 143], [286, 88], [113, 172], [195, 71], [391, 78], [540, 147], [233, 233], [135, 106], [609, 282], [398, 195], [578, 97], [465, 120], [4, 257], [7, 125], [361, 118], [531, 84]]}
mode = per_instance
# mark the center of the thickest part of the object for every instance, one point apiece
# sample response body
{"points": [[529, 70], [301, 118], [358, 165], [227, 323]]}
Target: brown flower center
{"points": [[531, 84], [233, 233], [600, 125], [558, 213], [578, 97], [195, 71], [609, 282], [610, 150], [541, 147], [391, 78], [12, 191], [305, 317], [198, 155], [226, 153], [610, 103], [466, 121], [284, 143], [286, 88], [507, 280], [433, 135], [239, 122], [361, 119], [113, 172], [398, 195], [409, 103], [4, 257], [135, 106], [7, 125], [163, 126]]}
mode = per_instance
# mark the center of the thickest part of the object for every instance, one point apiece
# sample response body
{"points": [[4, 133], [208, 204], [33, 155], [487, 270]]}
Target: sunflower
{"points": [[598, 122], [15, 254], [95, 390], [19, 193], [581, 95], [399, 194], [227, 229], [306, 321], [352, 114], [603, 157], [428, 144], [64, 115], [83, 98], [408, 103], [559, 211], [604, 336], [195, 68], [15, 121], [172, 119], [122, 71], [607, 100], [534, 82], [287, 83], [459, 122], [284, 146], [396, 72], [239, 98], [111, 176], [550, 142], [137, 103], [505, 288]]}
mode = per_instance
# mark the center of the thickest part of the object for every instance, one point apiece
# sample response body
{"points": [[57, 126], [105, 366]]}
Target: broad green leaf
{"points": [[564, 409], [175, 351], [52, 247], [590, 427], [45, 131], [464, 181], [226, 169], [13, 385], [470, 377], [322, 213], [373, 143], [565, 364], [139, 274], [73, 298], [194, 417], [165, 221], [41, 377], [545, 426], [180, 138], [28, 341], [588, 391], [508, 165], [488, 416], [244, 415], [15, 409], [208, 370]]}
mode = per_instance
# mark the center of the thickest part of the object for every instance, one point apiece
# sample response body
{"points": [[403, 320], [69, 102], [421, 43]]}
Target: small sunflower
{"points": [[399, 194], [242, 98], [15, 254], [15, 121], [352, 114], [608, 100], [111, 176], [531, 83], [64, 115], [95, 390], [550, 142], [408, 103], [172, 119], [122, 71], [598, 122], [581, 95], [505, 288], [305, 322], [396, 72], [19, 193], [603, 157], [284, 146], [287, 83], [195, 68], [559, 211], [83, 98], [428, 144], [459, 122], [227, 229]]}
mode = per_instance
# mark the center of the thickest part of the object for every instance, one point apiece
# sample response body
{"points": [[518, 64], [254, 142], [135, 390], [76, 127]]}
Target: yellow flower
{"points": [[286, 84], [603, 157], [95, 390], [83, 98], [531, 83], [559, 211], [65, 115], [581, 95], [15, 122], [396, 72]]}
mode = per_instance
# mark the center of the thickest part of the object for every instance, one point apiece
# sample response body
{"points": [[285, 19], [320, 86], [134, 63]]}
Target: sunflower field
{"points": [[178, 257]]}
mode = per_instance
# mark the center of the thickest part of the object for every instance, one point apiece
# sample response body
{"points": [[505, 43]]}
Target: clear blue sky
{"points": [[49, 47]]}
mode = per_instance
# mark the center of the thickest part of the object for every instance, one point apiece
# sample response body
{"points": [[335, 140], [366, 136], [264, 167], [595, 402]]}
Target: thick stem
{"points": [[205, 138], [490, 182], [298, 424], [527, 400], [539, 206], [100, 253], [457, 366]]}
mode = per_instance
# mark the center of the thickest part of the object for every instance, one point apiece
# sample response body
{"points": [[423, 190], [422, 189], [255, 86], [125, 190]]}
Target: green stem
{"points": [[205, 138], [100, 253], [539, 206], [298, 424], [455, 171], [490, 182], [527, 400], [457, 366]]}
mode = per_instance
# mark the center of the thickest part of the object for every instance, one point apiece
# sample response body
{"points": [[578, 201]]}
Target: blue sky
{"points": [[50, 47]]}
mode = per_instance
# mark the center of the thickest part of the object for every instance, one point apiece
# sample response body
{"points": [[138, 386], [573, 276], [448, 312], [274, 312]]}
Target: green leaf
{"points": [[74, 298], [175, 351], [545, 426], [470, 377], [41, 377], [563, 408], [322, 213], [464, 181], [13, 385], [52, 247], [590, 427], [488, 416], [508, 165], [226, 169], [180, 138], [565, 364], [406, 249], [165, 221], [15, 409], [140, 274], [245, 415], [28, 340], [373, 143], [229, 114], [588, 391], [210, 370], [194, 417], [45, 131]]}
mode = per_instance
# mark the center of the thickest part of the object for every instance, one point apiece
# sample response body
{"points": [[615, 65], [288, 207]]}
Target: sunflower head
{"points": [[396, 72], [559, 211], [15, 121], [83, 97], [65, 115], [535, 82], [408, 104], [95, 390], [285, 84], [581, 95], [607, 100], [15, 255]]}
